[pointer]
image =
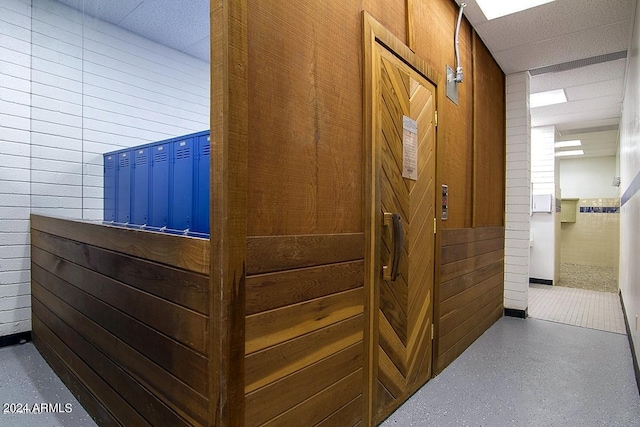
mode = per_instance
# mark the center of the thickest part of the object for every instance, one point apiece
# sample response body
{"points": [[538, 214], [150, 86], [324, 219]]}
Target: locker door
{"points": [[201, 214], [181, 211], [159, 187], [110, 187], [140, 203], [123, 196]]}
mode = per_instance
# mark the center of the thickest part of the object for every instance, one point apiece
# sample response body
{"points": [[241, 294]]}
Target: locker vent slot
{"points": [[111, 164], [124, 162], [182, 153], [160, 157], [206, 150], [141, 160]]}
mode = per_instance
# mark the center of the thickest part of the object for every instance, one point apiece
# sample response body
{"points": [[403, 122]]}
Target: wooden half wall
{"points": [[122, 317], [304, 330], [470, 289]]}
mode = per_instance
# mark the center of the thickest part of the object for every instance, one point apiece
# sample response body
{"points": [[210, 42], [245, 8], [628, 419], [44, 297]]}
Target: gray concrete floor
{"points": [[27, 380], [531, 373], [519, 373]]}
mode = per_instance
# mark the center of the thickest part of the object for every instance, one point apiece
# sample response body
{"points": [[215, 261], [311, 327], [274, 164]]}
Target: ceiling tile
{"points": [[606, 71], [596, 90], [177, 24], [578, 45], [200, 49], [111, 11], [553, 20]]}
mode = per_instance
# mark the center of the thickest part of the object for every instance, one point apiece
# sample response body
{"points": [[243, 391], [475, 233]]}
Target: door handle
{"points": [[394, 222]]}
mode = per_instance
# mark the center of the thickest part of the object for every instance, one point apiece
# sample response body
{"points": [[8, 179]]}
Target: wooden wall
{"points": [[304, 336], [305, 163], [122, 317], [470, 289], [489, 112]]}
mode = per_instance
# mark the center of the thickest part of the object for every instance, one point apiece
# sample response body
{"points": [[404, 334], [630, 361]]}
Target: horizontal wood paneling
{"points": [[185, 288], [467, 235], [182, 325], [278, 253], [190, 254], [471, 288], [266, 366], [304, 316], [141, 337], [121, 410], [273, 290], [283, 395], [89, 402], [277, 326], [349, 415], [327, 401], [170, 390], [116, 323], [131, 391]]}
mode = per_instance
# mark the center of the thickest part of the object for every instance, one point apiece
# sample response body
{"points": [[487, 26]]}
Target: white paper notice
{"points": [[409, 148]]}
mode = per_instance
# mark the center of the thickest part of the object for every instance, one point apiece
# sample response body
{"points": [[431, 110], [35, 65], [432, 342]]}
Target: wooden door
{"points": [[403, 231]]}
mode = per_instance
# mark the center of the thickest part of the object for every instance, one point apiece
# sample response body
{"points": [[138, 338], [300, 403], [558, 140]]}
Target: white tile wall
{"points": [[629, 170], [543, 225], [518, 192], [65, 101], [15, 116]]}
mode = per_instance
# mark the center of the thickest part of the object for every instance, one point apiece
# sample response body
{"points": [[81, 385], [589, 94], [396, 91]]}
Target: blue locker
{"points": [[110, 187], [123, 195], [159, 186], [201, 202], [140, 186], [181, 213]]}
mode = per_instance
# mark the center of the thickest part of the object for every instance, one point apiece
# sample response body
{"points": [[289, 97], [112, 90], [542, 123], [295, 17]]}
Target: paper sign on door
{"points": [[409, 148]]}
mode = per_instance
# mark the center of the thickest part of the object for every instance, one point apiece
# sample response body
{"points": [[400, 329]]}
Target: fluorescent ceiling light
{"points": [[549, 97], [574, 143], [570, 153], [496, 8]]}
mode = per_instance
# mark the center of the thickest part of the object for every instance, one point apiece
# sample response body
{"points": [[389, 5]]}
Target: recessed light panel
{"points": [[496, 8], [569, 153], [574, 143], [551, 97]]}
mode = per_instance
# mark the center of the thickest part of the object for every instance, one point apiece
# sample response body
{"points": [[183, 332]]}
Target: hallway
{"points": [[531, 373], [541, 375]]}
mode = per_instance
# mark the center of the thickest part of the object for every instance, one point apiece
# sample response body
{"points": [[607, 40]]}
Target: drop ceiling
{"points": [[179, 24], [568, 33]]}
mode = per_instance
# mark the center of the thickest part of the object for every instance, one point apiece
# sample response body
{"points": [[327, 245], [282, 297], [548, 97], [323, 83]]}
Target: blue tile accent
{"points": [[598, 209], [631, 191]]}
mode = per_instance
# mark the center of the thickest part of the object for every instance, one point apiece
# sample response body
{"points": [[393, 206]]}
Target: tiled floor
{"points": [[578, 307]]}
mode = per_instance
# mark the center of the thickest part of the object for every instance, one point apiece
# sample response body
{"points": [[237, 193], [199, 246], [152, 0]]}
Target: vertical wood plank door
{"points": [[402, 231]]}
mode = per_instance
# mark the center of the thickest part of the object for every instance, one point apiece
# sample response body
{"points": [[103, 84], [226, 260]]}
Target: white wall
{"points": [[630, 171], [590, 177], [518, 193], [15, 116], [64, 101], [98, 88], [543, 225]]}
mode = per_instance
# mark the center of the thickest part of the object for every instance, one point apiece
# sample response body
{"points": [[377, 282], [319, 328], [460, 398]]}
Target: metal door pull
{"points": [[394, 221]]}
